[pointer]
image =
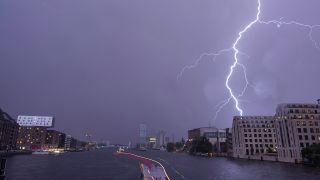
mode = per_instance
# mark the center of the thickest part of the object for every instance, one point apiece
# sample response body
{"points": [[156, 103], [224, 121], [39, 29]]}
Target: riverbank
{"points": [[14, 152]]}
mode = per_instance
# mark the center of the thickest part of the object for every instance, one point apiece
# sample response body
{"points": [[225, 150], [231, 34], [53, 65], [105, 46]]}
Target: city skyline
{"points": [[104, 67]]}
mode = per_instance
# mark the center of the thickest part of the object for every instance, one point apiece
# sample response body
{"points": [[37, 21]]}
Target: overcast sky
{"points": [[105, 66]]}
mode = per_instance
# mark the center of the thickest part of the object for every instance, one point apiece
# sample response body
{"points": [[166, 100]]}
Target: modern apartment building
{"points": [[297, 127], [31, 138], [253, 136]]}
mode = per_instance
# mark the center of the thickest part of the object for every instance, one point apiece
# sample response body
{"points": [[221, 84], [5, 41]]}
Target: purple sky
{"points": [[103, 67]]}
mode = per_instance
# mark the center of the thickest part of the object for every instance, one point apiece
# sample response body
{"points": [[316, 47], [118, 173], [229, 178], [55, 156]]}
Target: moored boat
{"points": [[40, 152]]}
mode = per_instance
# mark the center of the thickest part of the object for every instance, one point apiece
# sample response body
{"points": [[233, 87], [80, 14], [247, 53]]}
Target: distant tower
{"points": [[143, 134]]}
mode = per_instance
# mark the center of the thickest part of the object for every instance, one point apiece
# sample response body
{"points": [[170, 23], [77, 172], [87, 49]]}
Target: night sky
{"points": [[105, 66]]}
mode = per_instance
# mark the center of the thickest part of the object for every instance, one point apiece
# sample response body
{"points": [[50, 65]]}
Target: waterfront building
{"points": [[229, 148], [253, 137], [297, 127], [72, 144], [54, 139], [31, 138], [151, 142], [214, 135], [38, 121], [8, 131]]}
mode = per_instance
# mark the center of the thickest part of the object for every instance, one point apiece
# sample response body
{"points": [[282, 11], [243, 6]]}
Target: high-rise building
{"points": [[143, 134], [297, 127], [253, 136], [8, 131]]}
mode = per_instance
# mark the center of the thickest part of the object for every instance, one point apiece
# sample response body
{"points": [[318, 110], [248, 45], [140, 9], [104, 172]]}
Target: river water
{"points": [[104, 165]]}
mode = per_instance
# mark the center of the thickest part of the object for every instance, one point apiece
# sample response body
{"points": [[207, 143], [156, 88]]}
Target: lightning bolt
{"points": [[197, 62], [236, 53]]}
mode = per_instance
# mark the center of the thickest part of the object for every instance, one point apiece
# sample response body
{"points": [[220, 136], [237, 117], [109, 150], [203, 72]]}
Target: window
{"points": [[313, 137], [305, 130], [299, 130], [306, 137], [300, 137], [301, 145], [311, 130]]}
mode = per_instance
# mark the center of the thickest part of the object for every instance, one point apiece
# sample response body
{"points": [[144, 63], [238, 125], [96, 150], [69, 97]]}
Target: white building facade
{"points": [[297, 127], [253, 136]]}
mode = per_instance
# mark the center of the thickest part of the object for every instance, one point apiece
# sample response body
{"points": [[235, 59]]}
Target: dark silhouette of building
{"points": [[229, 141], [8, 131]]}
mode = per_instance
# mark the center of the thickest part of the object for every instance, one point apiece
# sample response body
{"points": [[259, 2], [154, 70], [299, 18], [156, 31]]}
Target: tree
{"points": [[171, 147], [201, 145], [179, 145], [183, 141], [312, 154]]}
